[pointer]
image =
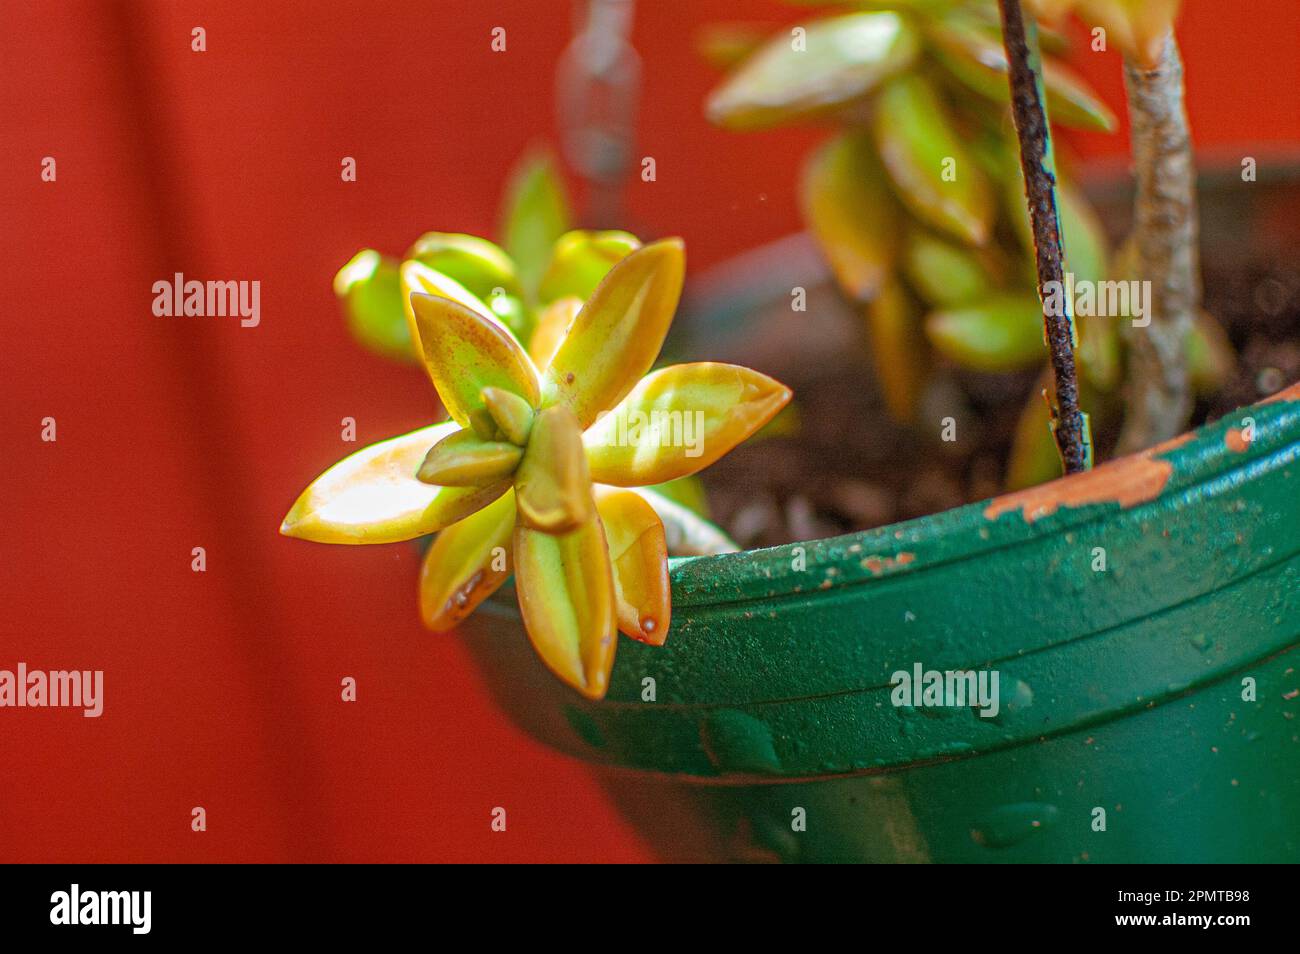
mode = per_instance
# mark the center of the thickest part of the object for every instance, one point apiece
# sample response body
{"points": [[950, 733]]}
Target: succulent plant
{"points": [[917, 202], [556, 430]]}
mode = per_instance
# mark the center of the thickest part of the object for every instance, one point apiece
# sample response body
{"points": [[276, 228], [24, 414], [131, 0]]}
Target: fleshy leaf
{"points": [[842, 59], [617, 335], [416, 277], [944, 273], [978, 59], [1082, 235], [687, 533], [482, 269], [1003, 333], [511, 414], [1210, 359], [638, 552], [935, 174], [848, 206], [466, 352], [1099, 350], [535, 214], [566, 596], [370, 291], [687, 491], [580, 260], [1137, 27], [373, 495], [897, 349], [477, 264], [466, 564], [463, 459], [552, 326], [680, 420], [1050, 10], [1034, 458], [553, 483]]}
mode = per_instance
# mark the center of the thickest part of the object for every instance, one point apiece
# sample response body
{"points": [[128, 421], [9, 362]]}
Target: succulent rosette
{"points": [[556, 433]]}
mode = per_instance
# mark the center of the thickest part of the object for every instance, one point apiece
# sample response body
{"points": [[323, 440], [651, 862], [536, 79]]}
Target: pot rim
{"points": [[848, 559]]}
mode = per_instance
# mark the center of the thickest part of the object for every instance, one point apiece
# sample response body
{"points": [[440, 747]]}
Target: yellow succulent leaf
{"points": [[1210, 358], [897, 349], [552, 325], [679, 420], [1137, 27], [1034, 458], [847, 204], [510, 413], [373, 496], [418, 277], [616, 336], [466, 351], [463, 459], [553, 484], [466, 564], [566, 596], [638, 552], [580, 260], [1050, 10]]}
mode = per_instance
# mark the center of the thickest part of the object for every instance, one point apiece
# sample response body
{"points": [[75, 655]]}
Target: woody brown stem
{"points": [[1165, 242], [1071, 425]]}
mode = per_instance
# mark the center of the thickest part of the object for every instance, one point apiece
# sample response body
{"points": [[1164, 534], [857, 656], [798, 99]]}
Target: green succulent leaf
{"points": [[580, 260], [1084, 240], [933, 172], [848, 206], [686, 491], [978, 60], [1034, 458], [370, 290], [942, 272], [479, 265], [482, 269], [1210, 359], [1099, 350], [1004, 333], [535, 214], [839, 60]]}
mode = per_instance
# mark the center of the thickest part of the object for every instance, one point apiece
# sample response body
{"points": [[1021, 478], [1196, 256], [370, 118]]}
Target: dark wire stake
{"points": [[1069, 423]]}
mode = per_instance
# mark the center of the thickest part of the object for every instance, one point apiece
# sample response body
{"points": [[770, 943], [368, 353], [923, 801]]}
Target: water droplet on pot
{"points": [[1011, 824]]}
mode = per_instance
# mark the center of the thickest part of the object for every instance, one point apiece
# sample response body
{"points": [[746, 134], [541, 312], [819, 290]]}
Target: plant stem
{"points": [[1070, 424], [1165, 240]]}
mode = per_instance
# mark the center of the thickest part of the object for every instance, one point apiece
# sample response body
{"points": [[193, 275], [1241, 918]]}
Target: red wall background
{"points": [[222, 688]]}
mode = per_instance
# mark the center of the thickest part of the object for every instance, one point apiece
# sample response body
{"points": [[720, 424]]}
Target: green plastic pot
{"points": [[1159, 697], [1148, 710]]}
